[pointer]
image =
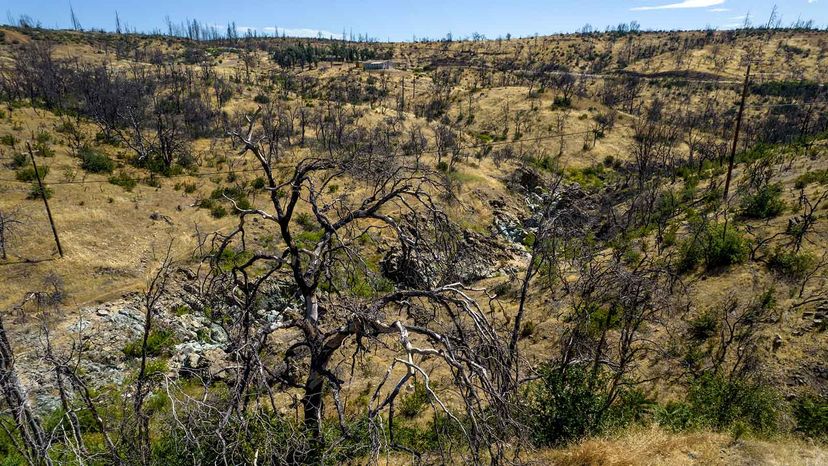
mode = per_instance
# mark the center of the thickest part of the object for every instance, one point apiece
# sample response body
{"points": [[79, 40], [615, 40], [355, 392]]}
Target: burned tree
{"points": [[9, 226], [339, 309]]}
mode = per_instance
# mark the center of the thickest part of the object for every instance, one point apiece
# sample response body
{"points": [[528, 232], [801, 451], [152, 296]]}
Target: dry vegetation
{"points": [[493, 244]]}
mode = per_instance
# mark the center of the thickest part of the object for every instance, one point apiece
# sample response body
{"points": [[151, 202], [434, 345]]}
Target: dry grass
{"points": [[655, 446]]}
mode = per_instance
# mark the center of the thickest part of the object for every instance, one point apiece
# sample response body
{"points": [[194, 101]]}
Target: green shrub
{"points": [[704, 326], [9, 440], [218, 211], [725, 246], [58, 418], [790, 264], [414, 403], [811, 413], [722, 403], [159, 342], [718, 245], [632, 407], [43, 137], [765, 203], [43, 149], [563, 407], [27, 174], [235, 193], [561, 102], [95, 162], [675, 416], [19, 159], [815, 176], [306, 221], [124, 180], [8, 140], [36, 192]]}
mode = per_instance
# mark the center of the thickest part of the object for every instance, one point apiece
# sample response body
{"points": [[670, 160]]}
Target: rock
{"points": [[525, 179], [156, 216], [472, 257], [187, 273], [217, 334], [80, 326], [204, 359], [777, 342]]}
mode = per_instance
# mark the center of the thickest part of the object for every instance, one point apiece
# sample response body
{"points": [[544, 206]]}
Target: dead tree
{"points": [[9, 226], [27, 425], [155, 290], [438, 321]]}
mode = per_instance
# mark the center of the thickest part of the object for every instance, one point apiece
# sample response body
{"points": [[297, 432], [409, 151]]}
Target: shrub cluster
{"points": [[95, 162], [716, 245]]}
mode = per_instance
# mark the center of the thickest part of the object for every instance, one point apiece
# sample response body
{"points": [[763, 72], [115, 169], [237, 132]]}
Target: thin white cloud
{"points": [[683, 4], [301, 32]]}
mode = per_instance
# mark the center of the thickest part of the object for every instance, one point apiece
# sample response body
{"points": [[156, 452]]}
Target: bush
{"points": [[27, 174], [235, 193], [159, 342], [8, 140], [36, 192], [718, 245], [561, 102], [19, 159], [791, 264], [720, 403], [95, 162], [704, 326], [413, 404], [306, 221], [218, 211], [675, 416], [42, 149], [123, 180], [563, 407], [765, 203], [815, 176], [811, 413]]}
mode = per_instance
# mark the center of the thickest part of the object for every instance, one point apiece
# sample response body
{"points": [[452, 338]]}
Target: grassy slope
{"points": [[111, 242]]}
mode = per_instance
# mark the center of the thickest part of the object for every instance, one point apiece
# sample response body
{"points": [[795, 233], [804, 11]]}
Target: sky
{"points": [[400, 20]]}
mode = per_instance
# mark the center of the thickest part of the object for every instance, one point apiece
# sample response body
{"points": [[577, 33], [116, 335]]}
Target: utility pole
{"points": [[45, 199], [736, 133]]}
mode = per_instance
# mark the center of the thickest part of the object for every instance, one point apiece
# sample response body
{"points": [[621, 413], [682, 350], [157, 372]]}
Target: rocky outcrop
{"points": [[100, 333], [470, 257]]}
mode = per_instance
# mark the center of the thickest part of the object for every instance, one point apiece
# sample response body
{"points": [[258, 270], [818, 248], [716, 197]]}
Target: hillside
{"points": [[522, 251]]}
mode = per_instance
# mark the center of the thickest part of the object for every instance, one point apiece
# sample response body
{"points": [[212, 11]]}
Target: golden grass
{"points": [[656, 446]]}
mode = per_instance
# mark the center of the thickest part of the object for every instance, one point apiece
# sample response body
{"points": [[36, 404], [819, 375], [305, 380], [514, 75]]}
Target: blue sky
{"points": [[403, 19]]}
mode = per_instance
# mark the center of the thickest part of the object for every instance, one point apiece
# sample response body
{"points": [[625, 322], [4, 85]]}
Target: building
{"points": [[377, 65]]}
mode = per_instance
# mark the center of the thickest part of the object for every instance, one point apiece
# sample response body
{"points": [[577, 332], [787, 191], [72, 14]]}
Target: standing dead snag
{"points": [[156, 287], [26, 423], [9, 224], [389, 205]]}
